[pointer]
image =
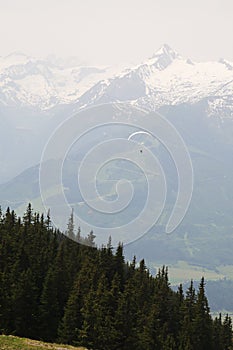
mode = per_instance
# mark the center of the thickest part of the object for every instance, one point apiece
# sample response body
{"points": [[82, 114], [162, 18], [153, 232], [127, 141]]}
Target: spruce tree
{"points": [[70, 226], [202, 323]]}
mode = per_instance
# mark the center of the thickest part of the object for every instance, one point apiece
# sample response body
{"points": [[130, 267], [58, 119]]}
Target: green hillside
{"points": [[60, 291], [15, 343]]}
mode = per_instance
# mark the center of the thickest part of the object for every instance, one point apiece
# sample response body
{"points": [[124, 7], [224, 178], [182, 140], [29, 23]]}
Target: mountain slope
{"points": [[164, 79], [16, 343], [169, 79], [45, 83], [205, 235]]}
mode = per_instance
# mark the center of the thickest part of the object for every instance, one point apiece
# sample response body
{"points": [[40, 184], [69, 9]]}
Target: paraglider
{"points": [[144, 142], [138, 133], [144, 138]]}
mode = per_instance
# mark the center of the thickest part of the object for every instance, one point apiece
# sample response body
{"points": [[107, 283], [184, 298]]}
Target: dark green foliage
{"points": [[55, 289], [202, 324]]}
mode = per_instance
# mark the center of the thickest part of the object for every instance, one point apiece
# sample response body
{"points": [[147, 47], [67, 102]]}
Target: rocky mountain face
{"points": [[44, 83], [164, 79]]}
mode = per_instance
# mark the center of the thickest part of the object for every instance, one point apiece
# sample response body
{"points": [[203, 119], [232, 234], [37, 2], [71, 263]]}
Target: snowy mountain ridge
{"points": [[164, 79], [45, 83], [169, 79]]}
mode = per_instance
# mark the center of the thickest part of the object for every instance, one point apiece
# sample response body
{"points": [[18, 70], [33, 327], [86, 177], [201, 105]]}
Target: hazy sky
{"points": [[107, 31]]}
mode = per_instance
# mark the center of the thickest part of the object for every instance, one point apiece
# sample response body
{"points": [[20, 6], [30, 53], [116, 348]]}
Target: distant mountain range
{"points": [[45, 83], [164, 79], [37, 94]]}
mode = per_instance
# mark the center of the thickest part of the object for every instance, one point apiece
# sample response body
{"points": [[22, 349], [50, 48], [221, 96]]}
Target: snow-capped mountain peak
{"points": [[163, 57], [169, 79], [166, 50], [13, 59], [229, 65], [45, 83], [166, 78]]}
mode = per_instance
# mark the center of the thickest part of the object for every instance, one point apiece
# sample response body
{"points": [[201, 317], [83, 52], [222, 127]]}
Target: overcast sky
{"points": [[122, 31]]}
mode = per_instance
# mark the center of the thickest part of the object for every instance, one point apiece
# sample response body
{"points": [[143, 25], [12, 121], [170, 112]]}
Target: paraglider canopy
{"points": [[144, 138], [138, 133]]}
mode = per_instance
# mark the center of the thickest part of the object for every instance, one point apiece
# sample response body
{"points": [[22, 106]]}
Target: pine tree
{"points": [[218, 333], [104, 333], [50, 308], [72, 321], [25, 305], [48, 222], [90, 239], [227, 332], [151, 336], [86, 333], [186, 334], [70, 226], [119, 263], [28, 215], [78, 237], [202, 323], [71, 328]]}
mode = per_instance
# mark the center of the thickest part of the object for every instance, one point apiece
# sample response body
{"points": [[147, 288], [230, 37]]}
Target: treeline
{"points": [[55, 289]]}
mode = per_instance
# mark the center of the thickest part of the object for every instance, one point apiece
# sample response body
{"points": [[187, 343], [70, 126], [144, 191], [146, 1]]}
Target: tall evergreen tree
{"points": [[70, 226], [202, 323]]}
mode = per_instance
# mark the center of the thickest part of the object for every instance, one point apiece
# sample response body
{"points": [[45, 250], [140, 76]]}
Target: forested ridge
{"points": [[55, 289]]}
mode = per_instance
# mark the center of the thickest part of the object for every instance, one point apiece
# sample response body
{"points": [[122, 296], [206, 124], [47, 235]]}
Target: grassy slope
{"points": [[16, 343]]}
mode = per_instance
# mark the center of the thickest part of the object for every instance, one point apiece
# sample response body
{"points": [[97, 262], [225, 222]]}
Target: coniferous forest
{"points": [[55, 289]]}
